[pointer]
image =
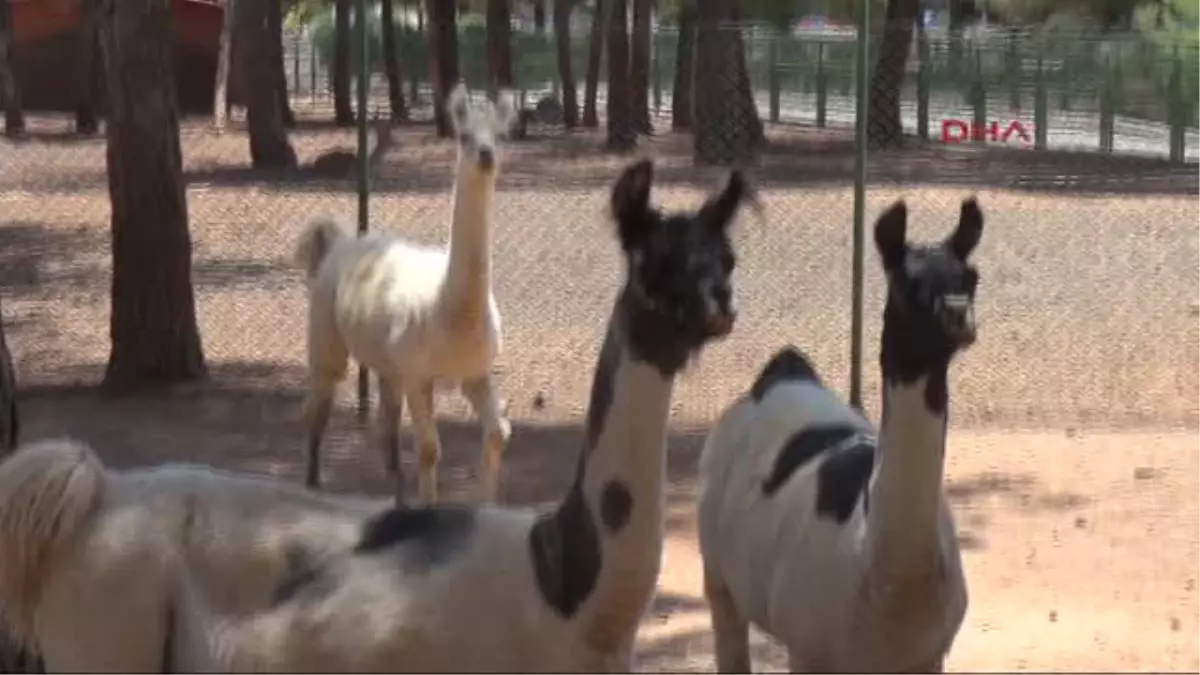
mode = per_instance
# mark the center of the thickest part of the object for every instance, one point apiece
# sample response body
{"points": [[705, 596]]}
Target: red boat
{"points": [[47, 52]]}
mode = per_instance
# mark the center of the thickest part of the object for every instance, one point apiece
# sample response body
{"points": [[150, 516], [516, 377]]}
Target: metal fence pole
{"points": [[860, 205], [364, 71]]}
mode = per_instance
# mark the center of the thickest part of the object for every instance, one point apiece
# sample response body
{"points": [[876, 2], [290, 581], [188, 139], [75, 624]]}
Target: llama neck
{"points": [[469, 271], [907, 490], [600, 551]]}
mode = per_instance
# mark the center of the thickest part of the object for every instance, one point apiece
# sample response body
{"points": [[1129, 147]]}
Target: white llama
{"points": [[412, 314], [179, 568], [838, 542]]}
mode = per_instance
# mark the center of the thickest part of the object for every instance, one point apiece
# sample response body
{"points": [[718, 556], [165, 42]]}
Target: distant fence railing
{"points": [[1122, 92]]}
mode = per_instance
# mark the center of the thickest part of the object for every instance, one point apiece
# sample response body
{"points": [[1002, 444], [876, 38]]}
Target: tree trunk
{"points": [[622, 131], [14, 118], [595, 54], [443, 59], [639, 67], [685, 55], [343, 114], [539, 16], [562, 41], [278, 66], [391, 63], [89, 77], [10, 423], [727, 128], [224, 53], [884, 129], [269, 145], [153, 319], [499, 45]]}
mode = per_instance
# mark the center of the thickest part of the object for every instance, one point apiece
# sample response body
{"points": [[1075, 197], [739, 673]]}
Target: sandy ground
{"points": [[1073, 465]]}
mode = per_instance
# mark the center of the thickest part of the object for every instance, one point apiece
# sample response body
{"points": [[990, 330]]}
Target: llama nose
{"points": [[958, 317], [487, 158]]}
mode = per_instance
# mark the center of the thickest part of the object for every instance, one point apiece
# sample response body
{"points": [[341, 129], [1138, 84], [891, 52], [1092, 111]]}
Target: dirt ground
{"points": [[1073, 451]]}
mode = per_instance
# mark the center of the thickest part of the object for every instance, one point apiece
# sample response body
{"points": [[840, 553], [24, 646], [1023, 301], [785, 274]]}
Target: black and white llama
{"points": [[837, 541], [187, 569]]}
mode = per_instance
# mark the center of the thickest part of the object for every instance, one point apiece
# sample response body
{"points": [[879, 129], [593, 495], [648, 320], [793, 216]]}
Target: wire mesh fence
{"points": [[1082, 149]]}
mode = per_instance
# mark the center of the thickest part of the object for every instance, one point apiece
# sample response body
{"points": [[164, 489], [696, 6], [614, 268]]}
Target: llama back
{"points": [[49, 492]]}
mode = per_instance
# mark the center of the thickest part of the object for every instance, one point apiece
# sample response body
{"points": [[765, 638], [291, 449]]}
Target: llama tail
{"points": [[320, 236], [49, 490]]}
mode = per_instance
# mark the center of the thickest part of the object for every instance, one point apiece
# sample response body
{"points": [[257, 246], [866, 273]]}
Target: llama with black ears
{"points": [[838, 541], [412, 314], [180, 568]]}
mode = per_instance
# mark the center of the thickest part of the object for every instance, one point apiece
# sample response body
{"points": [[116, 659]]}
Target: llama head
{"points": [[931, 287], [478, 126], [678, 294]]}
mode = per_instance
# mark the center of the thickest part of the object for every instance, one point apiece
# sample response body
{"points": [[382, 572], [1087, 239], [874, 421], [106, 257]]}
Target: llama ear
{"points": [[966, 236], [890, 233], [720, 208], [631, 200], [503, 111], [457, 106]]}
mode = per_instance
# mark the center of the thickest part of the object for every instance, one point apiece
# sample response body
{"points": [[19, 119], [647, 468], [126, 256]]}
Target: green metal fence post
{"points": [[1014, 72], [863, 74], [364, 167], [1177, 111], [656, 73], [978, 98], [822, 86], [312, 66], [1107, 124], [923, 86], [773, 75], [1040, 103]]}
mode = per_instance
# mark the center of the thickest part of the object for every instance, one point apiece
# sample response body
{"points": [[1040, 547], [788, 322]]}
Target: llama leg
{"points": [[391, 407], [429, 450], [496, 432], [327, 358], [731, 631]]}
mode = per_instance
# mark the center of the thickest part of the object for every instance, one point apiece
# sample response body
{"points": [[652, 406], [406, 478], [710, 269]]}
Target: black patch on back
{"points": [[565, 548], [842, 478], [616, 505], [305, 578], [423, 537], [800, 448], [788, 365]]}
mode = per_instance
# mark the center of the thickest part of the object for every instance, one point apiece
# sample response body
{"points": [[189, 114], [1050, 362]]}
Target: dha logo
{"points": [[957, 131]]}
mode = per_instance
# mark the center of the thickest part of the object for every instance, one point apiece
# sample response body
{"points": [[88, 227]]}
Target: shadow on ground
{"points": [[797, 157], [247, 418]]}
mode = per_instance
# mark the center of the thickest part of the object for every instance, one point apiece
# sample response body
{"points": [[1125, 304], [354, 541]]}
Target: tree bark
{"points": [[727, 127], [443, 59], [269, 145], [153, 319], [14, 117], [622, 129], [595, 55], [884, 128], [539, 16], [278, 66], [639, 67], [343, 114], [499, 45], [90, 76], [566, 75], [391, 63], [685, 54], [224, 55]]}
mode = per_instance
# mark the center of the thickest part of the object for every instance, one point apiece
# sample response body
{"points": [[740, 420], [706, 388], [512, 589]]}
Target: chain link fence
{"points": [[1082, 149]]}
